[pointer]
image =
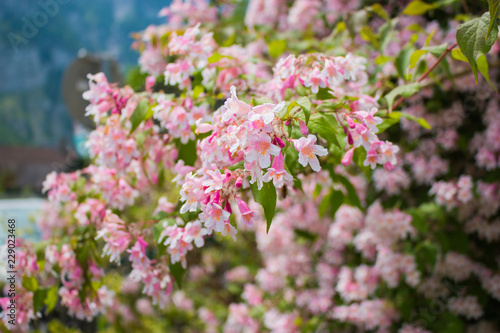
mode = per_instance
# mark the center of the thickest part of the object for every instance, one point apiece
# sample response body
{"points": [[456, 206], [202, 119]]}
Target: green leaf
{"points": [[305, 234], [51, 299], [380, 11], [324, 94], [82, 295], [197, 91], [482, 66], [139, 114], [415, 56], [444, 242], [474, 40], [352, 198], [324, 204], [404, 302], [177, 272], [39, 299], [405, 91], [493, 6], [301, 90], [459, 241], [421, 121], [426, 253], [216, 57], [436, 50], [448, 323], [386, 123], [336, 200], [305, 104], [160, 216], [367, 34], [277, 48], [402, 61], [157, 230], [320, 124], [30, 283], [381, 59], [418, 220], [239, 165], [457, 54], [429, 38], [266, 196], [359, 157], [417, 7], [187, 152]]}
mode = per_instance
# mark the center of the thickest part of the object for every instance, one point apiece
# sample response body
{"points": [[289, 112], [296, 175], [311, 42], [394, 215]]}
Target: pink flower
{"points": [[371, 158], [138, 253], [333, 72], [369, 119], [285, 67], [234, 106], [347, 159], [261, 150], [228, 228], [115, 235], [247, 215], [194, 231], [164, 206], [150, 82], [308, 151], [315, 81], [214, 217], [252, 295], [277, 172], [265, 112], [303, 128], [215, 183]]}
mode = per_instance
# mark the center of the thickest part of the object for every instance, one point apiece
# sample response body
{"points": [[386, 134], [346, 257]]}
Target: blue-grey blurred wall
{"points": [[38, 39]]}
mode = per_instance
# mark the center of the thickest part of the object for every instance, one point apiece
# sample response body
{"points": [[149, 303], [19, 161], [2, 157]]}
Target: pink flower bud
{"points": [[279, 163], [216, 197], [279, 142], [361, 128], [288, 122], [243, 206], [211, 137], [227, 207], [388, 166], [303, 128], [350, 122], [228, 176], [350, 140], [150, 82], [204, 128], [347, 159], [239, 182]]}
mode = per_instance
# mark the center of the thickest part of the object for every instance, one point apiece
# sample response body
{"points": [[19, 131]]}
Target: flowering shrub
{"points": [[301, 166]]}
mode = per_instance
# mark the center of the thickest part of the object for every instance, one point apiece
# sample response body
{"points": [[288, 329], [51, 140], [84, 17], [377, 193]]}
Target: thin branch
{"points": [[399, 101]]}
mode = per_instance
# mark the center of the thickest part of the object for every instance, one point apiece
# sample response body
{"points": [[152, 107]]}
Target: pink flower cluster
{"points": [[344, 77], [189, 12], [154, 275], [451, 195], [301, 15], [179, 239], [324, 260], [25, 265]]}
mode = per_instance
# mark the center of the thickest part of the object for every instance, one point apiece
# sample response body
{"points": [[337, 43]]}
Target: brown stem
{"points": [[427, 72], [466, 7]]}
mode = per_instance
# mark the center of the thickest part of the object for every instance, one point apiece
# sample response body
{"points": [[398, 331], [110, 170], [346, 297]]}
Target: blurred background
{"points": [[46, 49]]}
